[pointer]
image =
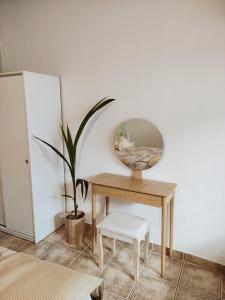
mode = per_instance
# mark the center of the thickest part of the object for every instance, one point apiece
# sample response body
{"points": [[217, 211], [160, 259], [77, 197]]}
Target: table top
{"points": [[129, 183]]}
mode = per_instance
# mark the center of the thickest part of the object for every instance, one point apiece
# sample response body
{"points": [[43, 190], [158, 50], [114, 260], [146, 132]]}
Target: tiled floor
{"points": [[186, 277]]}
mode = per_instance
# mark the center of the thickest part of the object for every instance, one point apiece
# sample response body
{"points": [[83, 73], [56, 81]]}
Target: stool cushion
{"points": [[124, 225]]}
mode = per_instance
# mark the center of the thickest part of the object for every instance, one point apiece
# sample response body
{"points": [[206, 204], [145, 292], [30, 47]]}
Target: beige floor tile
{"points": [[152, 288], [117, 280], [4, 252], [109, 296], [12, 242], [223, 284], [87, 241], [59, 236], [130, 245], [2, 233], [185, 294], [107, 244], [86, 263], [125, 258], [172, 267], [201, 279], [60, 254], [37, 250]]}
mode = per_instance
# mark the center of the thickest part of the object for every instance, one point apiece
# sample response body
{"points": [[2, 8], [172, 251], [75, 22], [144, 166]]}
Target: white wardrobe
{"points": [[31, 174]]}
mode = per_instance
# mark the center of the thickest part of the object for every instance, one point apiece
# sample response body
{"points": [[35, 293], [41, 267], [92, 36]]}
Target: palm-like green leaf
{"points": [[56, 151], [94, 109], [71, 149], [84, 187], [67, 196]]}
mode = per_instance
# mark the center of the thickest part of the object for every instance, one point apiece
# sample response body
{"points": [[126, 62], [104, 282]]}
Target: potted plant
{"points": [[74, 221]]}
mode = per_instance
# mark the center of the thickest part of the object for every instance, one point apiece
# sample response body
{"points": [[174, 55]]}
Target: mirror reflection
{"points": [[138, 144]]}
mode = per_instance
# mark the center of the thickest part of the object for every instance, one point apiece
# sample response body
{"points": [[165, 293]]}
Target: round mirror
{"points": [[138, 144]]}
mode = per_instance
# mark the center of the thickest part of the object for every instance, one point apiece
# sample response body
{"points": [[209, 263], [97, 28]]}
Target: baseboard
{"points": [[18, 234]]}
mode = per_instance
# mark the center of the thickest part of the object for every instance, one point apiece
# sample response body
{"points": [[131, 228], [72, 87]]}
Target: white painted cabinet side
{"points": [[43, 106]]}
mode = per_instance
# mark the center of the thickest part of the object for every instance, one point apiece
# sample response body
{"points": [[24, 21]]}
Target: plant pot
{"points": [[75, 228]]}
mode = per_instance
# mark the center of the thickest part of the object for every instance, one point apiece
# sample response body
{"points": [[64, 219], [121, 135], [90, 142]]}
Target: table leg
{"points": [[106, 205], [171, 225], [163, 242], [93, 221]]}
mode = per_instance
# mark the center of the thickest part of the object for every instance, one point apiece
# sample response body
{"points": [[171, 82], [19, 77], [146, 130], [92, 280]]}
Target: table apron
{"points": [[128, 196]]}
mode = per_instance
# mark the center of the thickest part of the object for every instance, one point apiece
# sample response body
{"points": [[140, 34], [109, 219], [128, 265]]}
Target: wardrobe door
{"points": [[43, 118], [14, 156]]}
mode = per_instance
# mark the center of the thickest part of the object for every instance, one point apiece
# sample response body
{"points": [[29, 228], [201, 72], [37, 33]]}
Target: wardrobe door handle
{"points": [[27, 161]]}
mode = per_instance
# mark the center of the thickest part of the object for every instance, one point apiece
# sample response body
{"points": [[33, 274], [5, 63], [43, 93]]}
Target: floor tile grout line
{"points": [[178, 280], [181, 272], [103, 269], [96, 255], [120, 297], [142, 268], [131, 290], [175, 293], [158, 277], [124, 267], [163, 278], [100, 272], [73, 260], [79, 253], [25, 243], [114, 254]]}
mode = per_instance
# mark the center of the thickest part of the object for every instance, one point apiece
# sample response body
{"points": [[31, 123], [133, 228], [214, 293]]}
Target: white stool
{"points": [[134, 229]]}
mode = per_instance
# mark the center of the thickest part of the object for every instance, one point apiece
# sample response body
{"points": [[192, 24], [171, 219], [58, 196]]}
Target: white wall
{"points": [[163, 61]]}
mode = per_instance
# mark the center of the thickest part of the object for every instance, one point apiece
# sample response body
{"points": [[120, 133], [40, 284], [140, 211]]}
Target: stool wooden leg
{"points": [[114, 246], [136, 245], [106, 205], [146, 247], [101, 254]]}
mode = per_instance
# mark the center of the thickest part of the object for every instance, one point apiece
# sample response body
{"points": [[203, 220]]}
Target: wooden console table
{"points": [[130, 189]]}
